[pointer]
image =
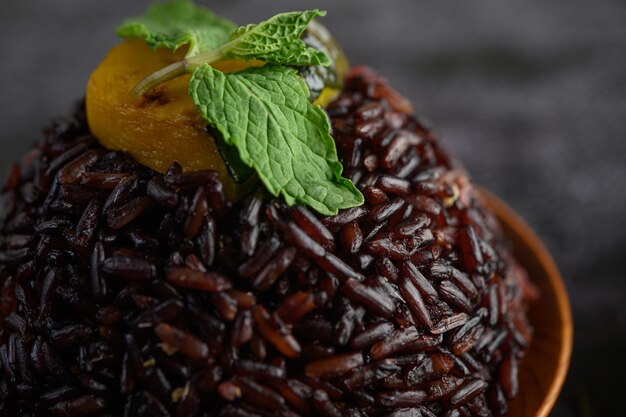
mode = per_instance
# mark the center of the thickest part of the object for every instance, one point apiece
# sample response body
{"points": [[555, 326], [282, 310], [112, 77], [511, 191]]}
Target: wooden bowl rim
{"points": [[517, 225]]}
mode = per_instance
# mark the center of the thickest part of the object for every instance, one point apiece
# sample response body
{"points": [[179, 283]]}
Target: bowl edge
{"points": [[507, 216]]}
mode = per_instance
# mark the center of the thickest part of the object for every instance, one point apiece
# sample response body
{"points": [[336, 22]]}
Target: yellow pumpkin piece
{"points": [[160, 127]]}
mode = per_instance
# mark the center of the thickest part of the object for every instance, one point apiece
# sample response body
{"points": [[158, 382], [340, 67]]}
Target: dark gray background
{"points": [[531, 95]]}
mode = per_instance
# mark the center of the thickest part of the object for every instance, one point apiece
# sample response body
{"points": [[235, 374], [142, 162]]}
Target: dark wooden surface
{"points": [[531, 95]]}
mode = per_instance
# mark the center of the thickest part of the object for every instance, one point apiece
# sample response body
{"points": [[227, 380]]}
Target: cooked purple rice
{"points": [[129, 293]]}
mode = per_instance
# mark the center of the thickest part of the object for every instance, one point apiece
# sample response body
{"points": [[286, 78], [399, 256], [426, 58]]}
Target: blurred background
{"points": [[530, 95]]}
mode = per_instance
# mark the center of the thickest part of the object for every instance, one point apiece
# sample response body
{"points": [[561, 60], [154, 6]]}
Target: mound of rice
{"points": [[130, 293]]}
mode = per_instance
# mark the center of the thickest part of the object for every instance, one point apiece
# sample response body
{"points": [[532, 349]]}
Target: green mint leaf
{"points": [[278, 40], [177, 23], [265, 113]]}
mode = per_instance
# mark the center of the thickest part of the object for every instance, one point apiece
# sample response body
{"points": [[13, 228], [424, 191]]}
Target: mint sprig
{"points": [[275, 41], [178, 23], [264, 113]]}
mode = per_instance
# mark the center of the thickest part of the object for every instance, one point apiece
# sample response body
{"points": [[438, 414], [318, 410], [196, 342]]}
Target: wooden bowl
{"points": [[543, 371]]}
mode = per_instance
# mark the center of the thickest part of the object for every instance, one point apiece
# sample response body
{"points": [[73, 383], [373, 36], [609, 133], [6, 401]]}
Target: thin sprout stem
{"points": [[175, 70], [165, 74], [207, 57]]}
